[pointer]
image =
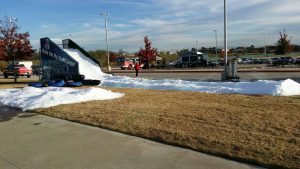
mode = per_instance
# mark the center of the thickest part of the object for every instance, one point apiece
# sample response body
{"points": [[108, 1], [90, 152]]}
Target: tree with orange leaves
{"points": [[14, 46], [149, 53]]}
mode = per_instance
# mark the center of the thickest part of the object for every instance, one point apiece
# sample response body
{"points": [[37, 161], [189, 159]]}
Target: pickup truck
{"points": [[20, 70]]}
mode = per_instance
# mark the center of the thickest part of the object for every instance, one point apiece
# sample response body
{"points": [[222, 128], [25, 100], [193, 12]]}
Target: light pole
{"points": [[265, 51], [10, 20], [105, 19], [196, 45], [225, 31], [216, 42], [224, 75]]}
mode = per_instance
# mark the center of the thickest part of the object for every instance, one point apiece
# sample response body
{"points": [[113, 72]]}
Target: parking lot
{"points": [[191, 76]]}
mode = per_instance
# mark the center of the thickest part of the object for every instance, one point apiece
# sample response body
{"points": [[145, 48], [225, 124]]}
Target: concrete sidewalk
{"points": [[33, 141]]}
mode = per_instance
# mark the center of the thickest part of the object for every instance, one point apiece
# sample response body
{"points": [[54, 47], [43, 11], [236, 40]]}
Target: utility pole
{"points": [[265, 51], [230, 70], [105, 20], [216, 42], [225, 32], [197, 45], [11, 19]]}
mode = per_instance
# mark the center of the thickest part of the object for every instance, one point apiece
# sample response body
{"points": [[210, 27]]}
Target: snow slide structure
{"points": [[70, 63]]}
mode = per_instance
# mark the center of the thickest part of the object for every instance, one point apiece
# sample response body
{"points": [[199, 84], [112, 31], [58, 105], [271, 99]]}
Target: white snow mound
{"points": [[87, 67], [262, 87], [30, 98], [288, 88]]}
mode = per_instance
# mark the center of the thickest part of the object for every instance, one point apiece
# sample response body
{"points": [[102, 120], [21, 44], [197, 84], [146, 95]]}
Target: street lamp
{"points": [[105, 19], [216, 42], [265, 51], [225, 31], [10, 20], [196, 45]]}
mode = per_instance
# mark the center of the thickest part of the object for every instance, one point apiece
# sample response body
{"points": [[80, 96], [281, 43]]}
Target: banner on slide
{"points": [[56, 62]]}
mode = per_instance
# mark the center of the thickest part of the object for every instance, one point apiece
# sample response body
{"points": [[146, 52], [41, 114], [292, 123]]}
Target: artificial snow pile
{"points": [[30, 98], [87, 67], [262, 87]]}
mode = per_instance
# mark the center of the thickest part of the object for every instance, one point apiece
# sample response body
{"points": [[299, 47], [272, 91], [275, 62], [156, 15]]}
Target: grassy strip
{"points": [[21, 82], [263, 130]]}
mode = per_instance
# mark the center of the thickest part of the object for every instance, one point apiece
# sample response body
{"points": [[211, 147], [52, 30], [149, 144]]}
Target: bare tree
{"points": [[283, 45]]}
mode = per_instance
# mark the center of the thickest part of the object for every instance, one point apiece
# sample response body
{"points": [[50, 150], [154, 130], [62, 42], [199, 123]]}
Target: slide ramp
{"points": [[88, 66]]}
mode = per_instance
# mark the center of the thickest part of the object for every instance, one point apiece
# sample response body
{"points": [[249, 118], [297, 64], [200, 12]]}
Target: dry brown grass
{"points": [[263, 130]]}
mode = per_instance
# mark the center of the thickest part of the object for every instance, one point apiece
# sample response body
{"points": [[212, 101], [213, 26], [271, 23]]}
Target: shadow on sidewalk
{"points": [[7, 113]]}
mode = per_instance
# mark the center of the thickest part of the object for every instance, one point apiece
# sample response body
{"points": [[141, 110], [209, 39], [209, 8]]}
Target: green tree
{"points": [[100, 55], [283, 45], [168, 56]]}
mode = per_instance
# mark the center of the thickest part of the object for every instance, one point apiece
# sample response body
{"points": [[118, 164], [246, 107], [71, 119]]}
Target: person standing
{"points": [[137, 68]]}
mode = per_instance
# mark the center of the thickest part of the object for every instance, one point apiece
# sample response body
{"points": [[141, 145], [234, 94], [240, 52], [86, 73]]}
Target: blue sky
{"points": [[170, 24]]}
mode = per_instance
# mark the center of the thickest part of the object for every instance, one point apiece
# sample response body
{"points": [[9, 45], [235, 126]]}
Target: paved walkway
{"points": [[33, 141]]}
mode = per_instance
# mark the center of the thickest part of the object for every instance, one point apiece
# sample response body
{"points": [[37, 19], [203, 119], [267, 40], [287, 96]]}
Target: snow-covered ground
{"points": [[262, 87], [30, 98]]}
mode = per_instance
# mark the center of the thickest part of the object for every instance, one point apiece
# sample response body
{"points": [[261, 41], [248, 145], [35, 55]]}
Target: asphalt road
{"points": [[207, 75], [216, 76]]}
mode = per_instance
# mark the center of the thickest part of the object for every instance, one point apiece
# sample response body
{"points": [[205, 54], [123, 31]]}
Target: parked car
{"points": [[213, 63], [18, 70], [283, 61], [265, 61], [171, 64], [36, 69], [297, 61], [275, 61], [245, 61], [287, 60]]}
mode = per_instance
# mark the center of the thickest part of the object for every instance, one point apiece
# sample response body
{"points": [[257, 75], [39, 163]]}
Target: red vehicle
{"points": [[128, 63], [19, 70]]}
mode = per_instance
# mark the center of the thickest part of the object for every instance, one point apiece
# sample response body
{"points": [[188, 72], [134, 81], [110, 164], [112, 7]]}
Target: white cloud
{"points": [[51, 28], [173, 24], [121, 26]]}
